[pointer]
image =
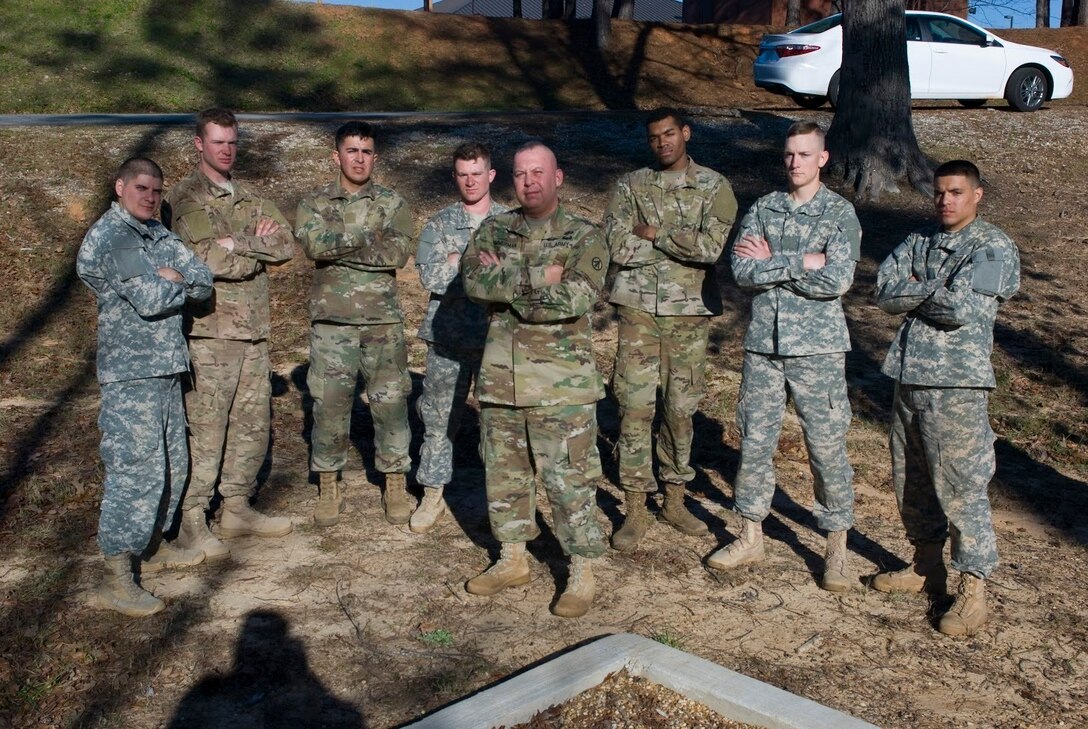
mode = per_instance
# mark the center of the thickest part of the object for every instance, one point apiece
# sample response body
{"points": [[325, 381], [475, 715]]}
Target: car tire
{"points": [[809, 101], [833, 91], [973, 103], [1026, 89]]}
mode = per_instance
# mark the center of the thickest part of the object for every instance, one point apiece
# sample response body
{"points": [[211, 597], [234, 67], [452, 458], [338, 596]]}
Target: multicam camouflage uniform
{"points": [[141, 351], [455, 330], [795, 345], [358, 241], [538, 384], [949, 285], [665, 292], [228, 405]]}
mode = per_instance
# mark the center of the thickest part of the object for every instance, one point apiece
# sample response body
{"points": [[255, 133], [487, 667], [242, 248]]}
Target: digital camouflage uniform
{"points": [[357, 241], [538, 384], [949, 285], [795, 346], [665, 292], [141, 351], [455, 330], [228, 406]]}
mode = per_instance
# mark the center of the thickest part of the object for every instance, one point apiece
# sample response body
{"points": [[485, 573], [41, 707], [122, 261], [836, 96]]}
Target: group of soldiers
{"points": [[183, 306]]}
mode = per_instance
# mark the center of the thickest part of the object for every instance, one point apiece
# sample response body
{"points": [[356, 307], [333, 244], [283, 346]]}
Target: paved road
{"points": [[91, 120]]}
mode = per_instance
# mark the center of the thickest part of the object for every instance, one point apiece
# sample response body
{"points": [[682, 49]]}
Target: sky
{"points": [[989, 13]]}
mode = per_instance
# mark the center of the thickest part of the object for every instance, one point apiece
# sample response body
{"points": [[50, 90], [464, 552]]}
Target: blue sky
{"points": [[990, 13]]}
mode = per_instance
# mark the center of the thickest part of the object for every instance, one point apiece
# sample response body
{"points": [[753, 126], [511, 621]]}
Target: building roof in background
{"points": [[655, 11]]}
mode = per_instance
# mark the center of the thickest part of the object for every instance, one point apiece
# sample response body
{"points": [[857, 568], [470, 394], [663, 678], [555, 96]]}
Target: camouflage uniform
{"points": [[228, 406], [665, 292], [538, 383], [795, 345], [141, 351], [454, 329], [358, 241], [949, 285]]}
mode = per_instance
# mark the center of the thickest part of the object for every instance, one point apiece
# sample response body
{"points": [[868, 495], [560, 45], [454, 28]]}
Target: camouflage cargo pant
{"points": [[229, 413], [653, 351], [338, 353], [558, 443], [817, 385], [145, 458], [942, 462], [445, 389]]}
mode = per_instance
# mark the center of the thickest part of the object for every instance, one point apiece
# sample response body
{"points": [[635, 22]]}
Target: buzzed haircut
{"points": [[215, 115], [472, 150], [667, 112], [956, 167], [806, 127], [135, 166], [360, 129]]}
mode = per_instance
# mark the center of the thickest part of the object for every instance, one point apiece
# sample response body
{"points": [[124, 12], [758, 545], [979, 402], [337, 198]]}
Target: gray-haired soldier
{"points": [[141, 275], [796, 251], [949, 280]]}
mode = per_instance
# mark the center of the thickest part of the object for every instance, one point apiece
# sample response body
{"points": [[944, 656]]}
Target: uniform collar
{"points": [[780, 202], [335, 190], [953, 241], [146, 230], [214, 189]]}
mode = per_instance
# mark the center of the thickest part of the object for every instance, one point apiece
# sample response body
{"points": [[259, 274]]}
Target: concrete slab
{"points": [[731, 694]]}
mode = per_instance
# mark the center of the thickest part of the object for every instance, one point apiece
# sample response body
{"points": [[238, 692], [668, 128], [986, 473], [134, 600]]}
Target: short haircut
{"points": [[215, 115], [662, 113], [472, 150], [360, 129], [956, 167], [135, 166], [537, 144], [806, 127]]}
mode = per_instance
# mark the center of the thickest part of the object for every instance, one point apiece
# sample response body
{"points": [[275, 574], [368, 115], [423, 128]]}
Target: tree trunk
{"points": [[517, 9], [624, 9], [602, 22], [1082, 12], [552, 9], [871, 139], [1073, 12], [1042, 13], [793, 13], [570, 9]]}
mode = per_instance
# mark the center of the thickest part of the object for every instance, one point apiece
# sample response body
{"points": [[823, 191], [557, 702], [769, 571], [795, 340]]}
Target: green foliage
{"points": [[440, 638], [669, 638]]}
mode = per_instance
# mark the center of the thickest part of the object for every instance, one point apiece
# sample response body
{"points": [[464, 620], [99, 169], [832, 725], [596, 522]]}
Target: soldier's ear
{"points": [[558, 177], [685, 131], [118, 186], [491, 175]]}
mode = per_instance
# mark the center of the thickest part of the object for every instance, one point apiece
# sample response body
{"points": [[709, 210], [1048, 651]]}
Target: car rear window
{"points": [[820, 26]]}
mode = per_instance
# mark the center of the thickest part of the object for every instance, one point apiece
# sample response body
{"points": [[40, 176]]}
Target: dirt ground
{"points": [[366, 624]]}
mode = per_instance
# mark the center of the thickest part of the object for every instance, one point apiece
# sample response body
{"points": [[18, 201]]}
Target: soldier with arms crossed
{"points": [[796, 251], [539, 269], [454, 327], [358, 233], [141, 275], [949, 279]]}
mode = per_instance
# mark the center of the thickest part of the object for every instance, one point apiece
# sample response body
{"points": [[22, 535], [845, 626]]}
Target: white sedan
{"points": [[948, 58]]}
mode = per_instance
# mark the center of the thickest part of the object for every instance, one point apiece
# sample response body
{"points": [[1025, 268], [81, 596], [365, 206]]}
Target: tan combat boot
{"points": [[837, 575], [968, 612], [746, 548], [926, 573], [330, 503], [431, 508], [194, 534], [676, 514], [635, 524], [512, 569], [239, 519], [395, 499], [581, 588], [169, 555], [120, 592]]}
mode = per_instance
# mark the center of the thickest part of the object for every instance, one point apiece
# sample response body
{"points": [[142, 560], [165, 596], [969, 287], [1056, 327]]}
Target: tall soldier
{"points": [[236, 233], [454, 327], [949, 279], [666, 228], [141, 275], [358, 233], [539, 269], [796, 251]]}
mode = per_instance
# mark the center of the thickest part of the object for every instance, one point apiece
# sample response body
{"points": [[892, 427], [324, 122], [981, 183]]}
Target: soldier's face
{"points": [[537, 179], [473, 178], [956, 200], [218, 147], [356, 157], [140, 196], [805, 156], [669, 142]]}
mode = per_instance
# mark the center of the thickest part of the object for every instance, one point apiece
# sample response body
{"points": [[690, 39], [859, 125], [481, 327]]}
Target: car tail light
{"points": [[1061, 60], [794, 50]]}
